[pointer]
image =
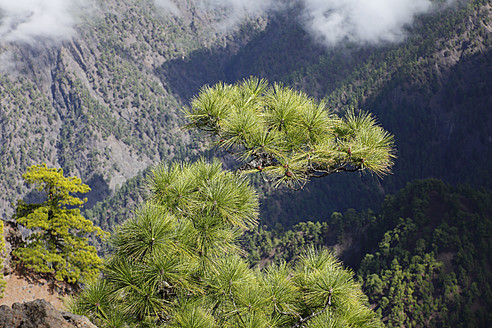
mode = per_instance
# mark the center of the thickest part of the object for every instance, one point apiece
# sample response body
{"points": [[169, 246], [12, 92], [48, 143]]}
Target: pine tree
{"points": [[287, 136], [176, 263], [58, 243]]}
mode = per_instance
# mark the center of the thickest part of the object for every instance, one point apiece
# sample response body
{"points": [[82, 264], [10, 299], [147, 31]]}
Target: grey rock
{"points": [[40, 314]]}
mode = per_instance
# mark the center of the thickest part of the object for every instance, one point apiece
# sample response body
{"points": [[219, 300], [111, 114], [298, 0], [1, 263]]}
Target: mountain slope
{"points": [[106, 104], [433, 92], [94, 104]]}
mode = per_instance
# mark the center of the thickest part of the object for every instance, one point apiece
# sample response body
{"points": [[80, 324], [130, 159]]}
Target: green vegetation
{"points": [[423, 259], [22, 100], [176, 264], [177, 261], [287, 136], [430, 91], [432, 268], [114, 210], [2, 255], [117, 91], [102, 101], [277, 244], [58, 244], [107, 104]]}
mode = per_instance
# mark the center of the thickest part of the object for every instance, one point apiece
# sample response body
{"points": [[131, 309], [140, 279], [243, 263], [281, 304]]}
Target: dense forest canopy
{"points": [[423, 257]]}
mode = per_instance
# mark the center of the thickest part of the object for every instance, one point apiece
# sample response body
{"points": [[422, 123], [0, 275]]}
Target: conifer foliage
{"points": [[3, 284], [58, 243], [287, 136], [176, 263]]}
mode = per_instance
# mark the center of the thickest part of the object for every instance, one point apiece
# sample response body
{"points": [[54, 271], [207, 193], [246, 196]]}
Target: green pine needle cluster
{"points": [[286, 135], [177, 263]]}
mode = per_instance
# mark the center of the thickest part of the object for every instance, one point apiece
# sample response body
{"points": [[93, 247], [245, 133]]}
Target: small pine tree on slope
{"points": [[58, 243]]}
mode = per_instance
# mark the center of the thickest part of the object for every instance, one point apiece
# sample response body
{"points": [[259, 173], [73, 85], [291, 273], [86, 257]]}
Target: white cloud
{"points": [[33, 21], [331, 21], [361, 21], [228, 14], [236, 11], [168, 6]]}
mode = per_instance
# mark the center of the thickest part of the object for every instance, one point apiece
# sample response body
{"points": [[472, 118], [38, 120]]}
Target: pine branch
{"points": [[302, 320]]}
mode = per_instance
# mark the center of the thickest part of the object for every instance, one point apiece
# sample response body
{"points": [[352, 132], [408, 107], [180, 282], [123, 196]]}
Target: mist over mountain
{"points": [[97, 87], [33, 21], [41, 22]]}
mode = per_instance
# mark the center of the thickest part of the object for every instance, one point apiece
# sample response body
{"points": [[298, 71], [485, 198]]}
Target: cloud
{"points": [[34, 21], [168, 6], [361, 21], [330, 21], [239, 8], [234, 12], [227, 14]]}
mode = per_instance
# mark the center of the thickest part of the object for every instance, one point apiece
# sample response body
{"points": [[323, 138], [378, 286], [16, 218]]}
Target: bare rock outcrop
{"points": [[40, 313]]}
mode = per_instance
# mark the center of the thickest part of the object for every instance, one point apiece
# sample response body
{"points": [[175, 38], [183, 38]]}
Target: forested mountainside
{"points": [[94, 104], [105, 103], [431, 91], [424, 257]]}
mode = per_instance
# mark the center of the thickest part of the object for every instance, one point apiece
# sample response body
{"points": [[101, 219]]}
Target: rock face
{"points": [[39, 313]]}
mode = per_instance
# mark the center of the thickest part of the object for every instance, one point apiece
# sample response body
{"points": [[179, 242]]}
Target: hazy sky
{"points": [[330, 21]]}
